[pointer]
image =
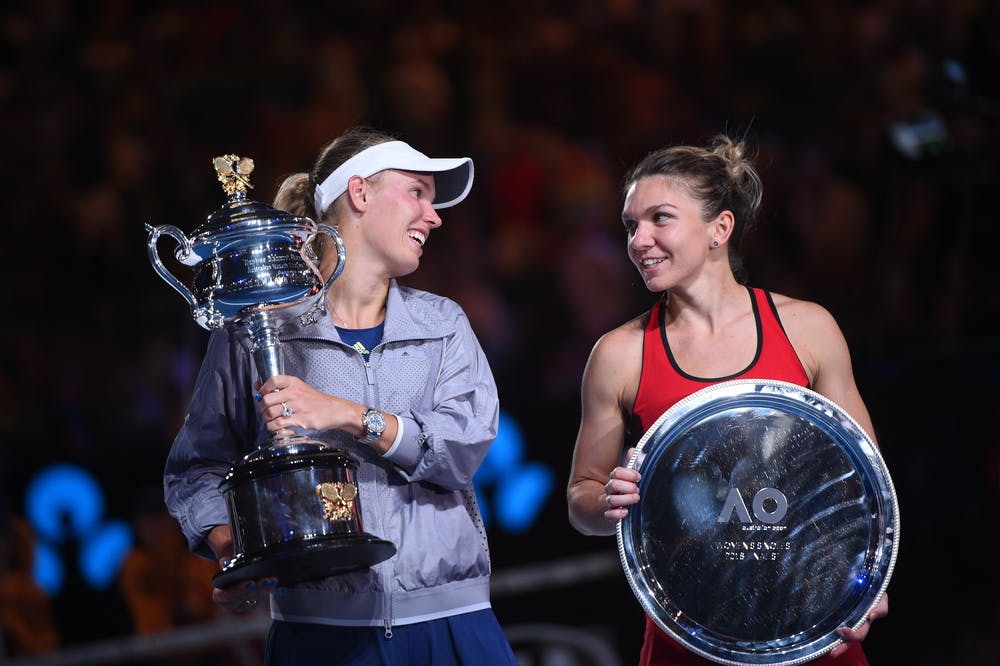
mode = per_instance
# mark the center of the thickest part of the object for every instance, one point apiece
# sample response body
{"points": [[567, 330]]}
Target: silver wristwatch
{"points": [[372, 425]]}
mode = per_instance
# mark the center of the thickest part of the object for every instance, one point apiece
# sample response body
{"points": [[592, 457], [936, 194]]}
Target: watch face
{"points": [[374, 423]]}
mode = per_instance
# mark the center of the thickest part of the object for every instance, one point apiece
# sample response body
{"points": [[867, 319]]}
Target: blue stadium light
{"points": [[521, 496], [520, 488], [103, 552], [47, 569], [63, 501]]}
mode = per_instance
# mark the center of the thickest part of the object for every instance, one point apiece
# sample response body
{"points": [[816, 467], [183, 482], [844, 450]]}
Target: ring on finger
{"points": [[285, 411]]}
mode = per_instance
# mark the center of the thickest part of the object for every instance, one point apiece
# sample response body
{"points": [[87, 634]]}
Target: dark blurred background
{"points": [[875, 126]]}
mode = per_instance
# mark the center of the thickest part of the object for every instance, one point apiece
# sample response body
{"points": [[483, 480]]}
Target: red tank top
{"points": [[662, 384]]}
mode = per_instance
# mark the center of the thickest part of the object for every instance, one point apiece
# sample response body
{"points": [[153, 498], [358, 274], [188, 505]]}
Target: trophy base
{"points": [[299, 562]]}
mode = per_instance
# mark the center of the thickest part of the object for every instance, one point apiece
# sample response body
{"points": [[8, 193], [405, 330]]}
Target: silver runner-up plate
{"points": [[766, 521]]}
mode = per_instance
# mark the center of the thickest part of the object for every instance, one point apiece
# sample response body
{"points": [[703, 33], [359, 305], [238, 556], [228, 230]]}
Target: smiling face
{"points": [[399, 219], [668, 241]]}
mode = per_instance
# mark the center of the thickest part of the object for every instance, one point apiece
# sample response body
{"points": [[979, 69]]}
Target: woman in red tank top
{"points": [[685, 214]]}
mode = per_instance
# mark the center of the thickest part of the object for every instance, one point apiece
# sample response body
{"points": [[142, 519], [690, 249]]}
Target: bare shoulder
{"points": [[621, 344], [821, 346], [815, 335], [615, 364], [804, 318]]}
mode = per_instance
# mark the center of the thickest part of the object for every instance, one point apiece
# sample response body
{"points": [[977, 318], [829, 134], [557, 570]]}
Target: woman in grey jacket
{"points": [[396, 377]]}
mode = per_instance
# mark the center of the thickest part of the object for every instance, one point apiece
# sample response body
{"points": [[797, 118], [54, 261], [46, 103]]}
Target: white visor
{"points": [[452, 175]]}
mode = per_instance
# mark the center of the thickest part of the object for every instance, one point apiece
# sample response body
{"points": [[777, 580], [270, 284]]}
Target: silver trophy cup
{"points": [[766, 521], [293, 502]]}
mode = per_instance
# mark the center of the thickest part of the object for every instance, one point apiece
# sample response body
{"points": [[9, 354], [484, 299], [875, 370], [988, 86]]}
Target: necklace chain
{"points": [[337, 317]]}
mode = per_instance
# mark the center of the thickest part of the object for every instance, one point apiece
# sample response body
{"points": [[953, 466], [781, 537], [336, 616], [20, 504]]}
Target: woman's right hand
{"points": [[621, 491]]}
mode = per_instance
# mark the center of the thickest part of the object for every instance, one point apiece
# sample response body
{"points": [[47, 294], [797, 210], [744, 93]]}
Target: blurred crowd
{"points": [[874, 125]]}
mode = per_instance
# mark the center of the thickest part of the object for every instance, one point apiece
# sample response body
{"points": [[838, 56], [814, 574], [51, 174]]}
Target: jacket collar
{"points": [[405, 319]]}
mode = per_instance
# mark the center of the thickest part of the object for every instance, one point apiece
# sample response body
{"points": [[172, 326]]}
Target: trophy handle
{"points": [[319, 308], [161, 270]]}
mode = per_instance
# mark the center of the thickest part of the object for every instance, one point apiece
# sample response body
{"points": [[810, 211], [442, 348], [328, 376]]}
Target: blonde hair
{"points": [[296, 193]]}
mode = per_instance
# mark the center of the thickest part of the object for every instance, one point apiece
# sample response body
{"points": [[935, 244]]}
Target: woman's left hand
{"points": [[244, 597], [857, 635], [285, 401]]}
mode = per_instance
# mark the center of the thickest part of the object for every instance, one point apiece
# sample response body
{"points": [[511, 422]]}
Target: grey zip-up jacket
{"points": [[429, 370]]}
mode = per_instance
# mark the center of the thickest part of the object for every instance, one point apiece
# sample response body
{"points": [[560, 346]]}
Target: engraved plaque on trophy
{"points": [[767, 521], [292, 503]]}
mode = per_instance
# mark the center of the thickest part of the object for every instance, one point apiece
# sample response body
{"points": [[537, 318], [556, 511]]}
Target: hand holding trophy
{"points": [[292, 502]]}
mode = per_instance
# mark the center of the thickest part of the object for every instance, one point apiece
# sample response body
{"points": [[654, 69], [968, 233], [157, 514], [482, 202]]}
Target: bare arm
{"points": [[824, 352], [610, 381], [820, 344]]}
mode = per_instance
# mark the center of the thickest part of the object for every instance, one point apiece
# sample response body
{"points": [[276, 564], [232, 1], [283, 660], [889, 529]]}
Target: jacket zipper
{"points": [[386, 589]]}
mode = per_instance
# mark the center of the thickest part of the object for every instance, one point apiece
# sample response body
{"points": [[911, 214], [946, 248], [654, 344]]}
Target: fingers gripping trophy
{"points": [[292, 503]]}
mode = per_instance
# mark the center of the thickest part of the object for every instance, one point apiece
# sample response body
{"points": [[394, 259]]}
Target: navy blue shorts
{"points": [[469, 639]]}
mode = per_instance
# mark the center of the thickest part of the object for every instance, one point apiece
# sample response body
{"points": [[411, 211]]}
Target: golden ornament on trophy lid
{"points": [[233, 172]]}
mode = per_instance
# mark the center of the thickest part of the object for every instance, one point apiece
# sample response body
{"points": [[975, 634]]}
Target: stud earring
{"points": [[715, 243]]}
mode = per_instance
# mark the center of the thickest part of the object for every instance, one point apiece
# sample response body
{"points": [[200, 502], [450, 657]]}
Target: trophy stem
{"points": [[265, 344], [265, 347]]}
